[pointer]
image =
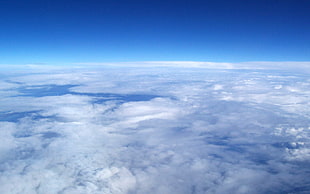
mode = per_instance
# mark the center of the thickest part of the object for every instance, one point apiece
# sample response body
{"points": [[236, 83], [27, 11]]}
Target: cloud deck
{"points": [[155, 130]]}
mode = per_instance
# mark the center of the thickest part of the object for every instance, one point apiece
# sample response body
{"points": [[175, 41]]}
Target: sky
{"points": [[76, 31]]}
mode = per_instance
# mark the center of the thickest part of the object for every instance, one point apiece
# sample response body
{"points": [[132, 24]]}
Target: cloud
{"points": [[260, 65], [155, 130]]}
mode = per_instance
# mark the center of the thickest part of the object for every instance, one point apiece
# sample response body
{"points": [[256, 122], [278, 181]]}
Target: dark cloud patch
{"points": [[50, 134]]}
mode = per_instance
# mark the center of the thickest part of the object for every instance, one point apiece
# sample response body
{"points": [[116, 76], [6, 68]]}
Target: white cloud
{"points": [[265, 65], [199, 131]]}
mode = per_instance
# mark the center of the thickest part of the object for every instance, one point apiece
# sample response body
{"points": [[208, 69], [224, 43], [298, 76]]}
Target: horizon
{"points": [[284, 65]]}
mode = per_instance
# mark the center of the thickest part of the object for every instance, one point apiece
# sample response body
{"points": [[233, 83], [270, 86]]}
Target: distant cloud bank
{"points": [[211, 65], [280, 65]]}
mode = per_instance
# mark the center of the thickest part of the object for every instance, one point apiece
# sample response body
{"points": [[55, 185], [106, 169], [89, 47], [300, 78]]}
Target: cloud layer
{"points": [[154, 130]]}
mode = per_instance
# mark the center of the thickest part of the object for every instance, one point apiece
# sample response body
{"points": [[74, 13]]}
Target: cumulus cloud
{"points": [[155, 130]]}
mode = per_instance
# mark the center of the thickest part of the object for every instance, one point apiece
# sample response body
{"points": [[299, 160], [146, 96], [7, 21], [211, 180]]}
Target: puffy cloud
{"points": [[154, 130]]}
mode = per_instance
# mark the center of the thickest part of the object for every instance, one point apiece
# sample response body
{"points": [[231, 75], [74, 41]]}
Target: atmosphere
{"points": [[71, 31]]}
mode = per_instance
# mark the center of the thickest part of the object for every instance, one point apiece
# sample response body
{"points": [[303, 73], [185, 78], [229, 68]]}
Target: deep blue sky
{"points": [[69, 31]]}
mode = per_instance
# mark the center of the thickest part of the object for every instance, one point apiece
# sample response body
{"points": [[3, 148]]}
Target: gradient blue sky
{"points": [[72, 31]]}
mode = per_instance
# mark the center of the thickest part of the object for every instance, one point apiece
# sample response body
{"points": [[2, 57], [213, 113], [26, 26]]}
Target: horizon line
{"points": [[276, 65]]}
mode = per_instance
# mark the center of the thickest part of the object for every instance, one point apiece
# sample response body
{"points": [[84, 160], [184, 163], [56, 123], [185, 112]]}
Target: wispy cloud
{"points": [[294, 65]]}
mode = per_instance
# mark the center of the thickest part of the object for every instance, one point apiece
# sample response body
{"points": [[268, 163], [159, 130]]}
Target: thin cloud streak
{"points": [[210, 65]]}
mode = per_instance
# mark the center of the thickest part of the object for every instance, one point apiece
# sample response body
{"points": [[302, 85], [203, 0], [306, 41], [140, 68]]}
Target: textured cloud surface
{"points": [[154, 130]]}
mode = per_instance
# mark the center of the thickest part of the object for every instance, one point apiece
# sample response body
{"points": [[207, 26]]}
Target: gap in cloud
{"points": [[45, 90], [59, 90], [16, 116]]}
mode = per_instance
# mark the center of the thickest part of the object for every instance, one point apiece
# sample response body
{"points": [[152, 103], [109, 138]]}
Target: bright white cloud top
{"points": [[154, 129]]}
